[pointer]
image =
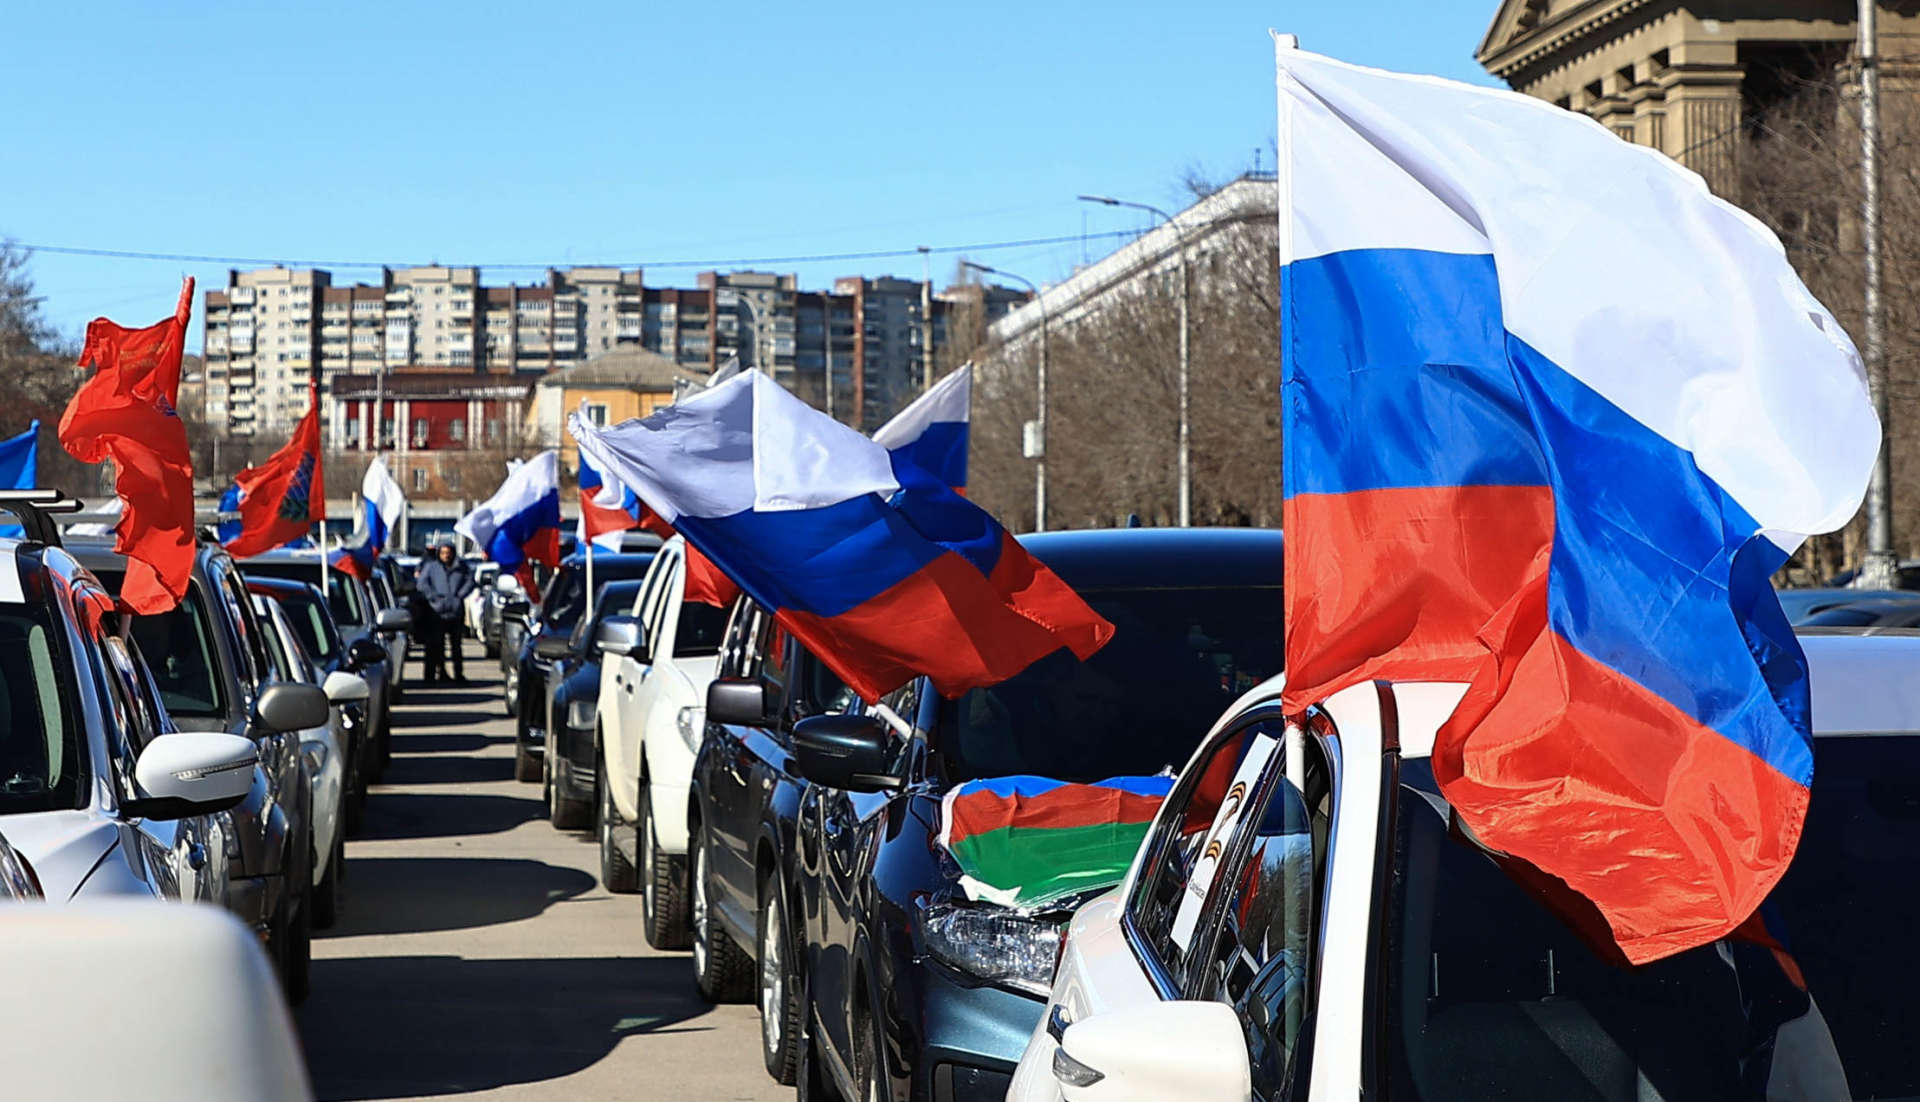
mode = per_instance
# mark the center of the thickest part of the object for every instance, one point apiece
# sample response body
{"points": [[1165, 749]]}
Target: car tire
{"points": [[512, 693], [779, 989], [327, 895], [563, 811], [295, 949], [617, 874], [868, 1074], [525, 766], [721, 971], [665, 906], [490, 649], [382, 745]]}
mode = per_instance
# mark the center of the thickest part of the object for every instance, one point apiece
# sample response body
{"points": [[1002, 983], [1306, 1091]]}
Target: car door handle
{"points": [[196, 856]]}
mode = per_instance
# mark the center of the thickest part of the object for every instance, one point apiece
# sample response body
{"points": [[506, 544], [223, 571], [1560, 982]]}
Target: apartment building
{"points": [[857, 351]]}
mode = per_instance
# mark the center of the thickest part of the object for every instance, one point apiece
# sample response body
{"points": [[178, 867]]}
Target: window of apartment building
{"points": [[419, 480], [493, 430], [353, 429], [419, 431], [451, 479], [386, 432], [597, 414], [457, 430]]}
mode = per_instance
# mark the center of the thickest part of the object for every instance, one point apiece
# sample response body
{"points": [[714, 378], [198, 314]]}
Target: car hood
{"points": [[62, 846]]}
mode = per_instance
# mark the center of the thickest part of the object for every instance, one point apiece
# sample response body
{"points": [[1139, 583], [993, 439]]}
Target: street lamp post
{"points": [[1877, 569], [1184, 452], [1039, 448]]}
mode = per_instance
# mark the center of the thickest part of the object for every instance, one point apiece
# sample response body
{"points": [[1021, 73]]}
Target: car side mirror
{"points": [[291, 706], [364, 652], [622, 635], [849, 752], [737, 700], [342, 687], [552, 645], [1144, 1053], [191, 773], [393, 621]]}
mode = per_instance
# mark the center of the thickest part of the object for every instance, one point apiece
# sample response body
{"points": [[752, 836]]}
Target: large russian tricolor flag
{"points": [[1553, 414], [520, 523], [931, 433], [878, 568]]}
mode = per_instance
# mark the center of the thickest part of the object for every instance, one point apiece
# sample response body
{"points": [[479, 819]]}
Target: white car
{"points": [[474, 608], [323, 747], [658, 661], [1350, 941]]}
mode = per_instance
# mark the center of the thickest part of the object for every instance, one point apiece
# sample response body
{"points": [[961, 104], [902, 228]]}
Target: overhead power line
{"points": [[724, 262]]}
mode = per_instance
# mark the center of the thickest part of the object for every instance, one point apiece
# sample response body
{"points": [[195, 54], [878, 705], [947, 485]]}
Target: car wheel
{"points": [[295, 949], [721, 971], [664, 902], [563, 811], [779, 990], [525, 766], [353, 801], [513, 692], [326, 897], [616, 872]]}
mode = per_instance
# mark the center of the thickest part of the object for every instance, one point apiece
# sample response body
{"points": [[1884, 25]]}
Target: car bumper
{"points": [[670, 816], [971, 1037]]}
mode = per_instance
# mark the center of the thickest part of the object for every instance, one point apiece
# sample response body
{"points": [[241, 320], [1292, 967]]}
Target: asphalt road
{"points": [[479, 957]]}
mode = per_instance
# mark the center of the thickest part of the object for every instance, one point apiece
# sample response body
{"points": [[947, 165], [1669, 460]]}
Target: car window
{"points": [[311, 622], [1262, 950], [697, 635], [180, 648], [40, 757], [1179, 657], [250, 641], [1188, 843], [614, 599]]}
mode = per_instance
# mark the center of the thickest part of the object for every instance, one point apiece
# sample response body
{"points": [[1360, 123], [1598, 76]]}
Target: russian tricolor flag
{"points": [[607, 509], [521, 521], [1553, 414], [382, 504], [880, 569], [932, 432]]}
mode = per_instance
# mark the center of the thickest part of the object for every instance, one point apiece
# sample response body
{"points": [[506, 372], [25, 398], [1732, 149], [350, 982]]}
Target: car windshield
{"points": [[1178, 658], [343, 595], [40, 762], [1491, 996], [178, 644]]}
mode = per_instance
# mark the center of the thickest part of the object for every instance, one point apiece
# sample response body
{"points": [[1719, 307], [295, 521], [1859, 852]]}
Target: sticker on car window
{"points": [[1245, 779]]}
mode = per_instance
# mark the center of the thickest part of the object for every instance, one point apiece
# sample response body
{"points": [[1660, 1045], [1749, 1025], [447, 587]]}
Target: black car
{"points": [[896, 977], [745, 798], [312, 621], [573, 695], [210, 664], [561, 603], [357, 617]]}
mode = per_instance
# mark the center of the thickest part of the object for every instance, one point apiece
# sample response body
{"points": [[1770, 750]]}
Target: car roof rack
{"points": [[37, 509]]}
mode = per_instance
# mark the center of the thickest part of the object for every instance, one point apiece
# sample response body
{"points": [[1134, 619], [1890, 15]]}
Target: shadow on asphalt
{"points": [[405, 895], [408, 716], [396, 1027], [412, 769], [454, 815], [446, 744]]}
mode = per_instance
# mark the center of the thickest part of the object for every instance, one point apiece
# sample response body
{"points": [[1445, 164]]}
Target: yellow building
{"points": [[617, 386]]}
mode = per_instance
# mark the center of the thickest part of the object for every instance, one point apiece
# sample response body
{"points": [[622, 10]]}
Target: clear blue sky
{"points": [[635, 132]]}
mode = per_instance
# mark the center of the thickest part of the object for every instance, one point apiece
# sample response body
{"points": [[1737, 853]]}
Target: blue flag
{"points": [[228, 529], [19, 469]]}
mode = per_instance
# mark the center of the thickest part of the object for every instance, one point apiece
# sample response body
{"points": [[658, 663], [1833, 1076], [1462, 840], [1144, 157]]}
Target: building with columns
{"points": [[439, 429], [1681, 76]]}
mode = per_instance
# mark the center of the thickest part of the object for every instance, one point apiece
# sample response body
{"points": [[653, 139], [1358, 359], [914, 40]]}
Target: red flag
{"points": [[125, 412], [281, 498], [705, 582]]}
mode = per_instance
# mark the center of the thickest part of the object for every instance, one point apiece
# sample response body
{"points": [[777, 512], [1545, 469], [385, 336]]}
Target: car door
{"points": [[837, 861], [634, 678], [161, 848], [719, 769], [754, 762]]}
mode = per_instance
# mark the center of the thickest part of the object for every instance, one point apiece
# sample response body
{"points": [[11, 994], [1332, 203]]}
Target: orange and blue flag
{"points": [[282, 498]]}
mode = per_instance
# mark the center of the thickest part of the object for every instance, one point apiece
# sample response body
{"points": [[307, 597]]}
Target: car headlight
{"points": [[693, 725], [994, 944], [581, 712]]}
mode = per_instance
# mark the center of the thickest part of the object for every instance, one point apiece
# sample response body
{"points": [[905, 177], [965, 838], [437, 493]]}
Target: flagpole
{"points": [[589, 607]]}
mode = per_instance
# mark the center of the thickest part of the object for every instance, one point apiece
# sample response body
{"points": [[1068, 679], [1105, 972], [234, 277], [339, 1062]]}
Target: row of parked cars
{"points": [[217, 752], [1329, 927]]}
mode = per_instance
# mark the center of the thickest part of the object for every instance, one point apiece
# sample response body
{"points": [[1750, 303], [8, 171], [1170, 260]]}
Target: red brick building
{"points": [[439, 429]]}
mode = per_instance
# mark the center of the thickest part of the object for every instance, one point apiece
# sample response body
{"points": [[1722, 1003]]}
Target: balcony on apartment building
{"points": [[240, 296]]}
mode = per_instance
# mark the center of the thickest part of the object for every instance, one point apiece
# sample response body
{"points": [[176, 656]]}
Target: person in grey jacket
{"points": [[444, 582]]}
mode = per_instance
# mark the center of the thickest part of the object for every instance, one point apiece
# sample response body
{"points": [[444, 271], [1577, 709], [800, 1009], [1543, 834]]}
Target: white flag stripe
{"points": [[1714, 343], [948, 401], [526, 483]]}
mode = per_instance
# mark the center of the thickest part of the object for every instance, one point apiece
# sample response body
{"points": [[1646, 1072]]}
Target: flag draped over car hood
{"points": [[125, 412], [879, 569], [1025, 842], [1553, 413]]}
